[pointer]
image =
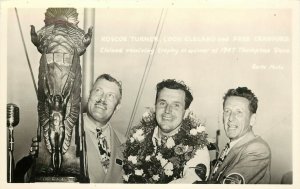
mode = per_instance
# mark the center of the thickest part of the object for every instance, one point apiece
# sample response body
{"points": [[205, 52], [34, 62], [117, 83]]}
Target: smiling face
{"points": [[103, 101], [237, 117], [170, 109]]}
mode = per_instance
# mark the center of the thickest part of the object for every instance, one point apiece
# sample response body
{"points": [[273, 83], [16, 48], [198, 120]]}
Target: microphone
{"points": [[201, 170], [13, 119], [13, 116]]}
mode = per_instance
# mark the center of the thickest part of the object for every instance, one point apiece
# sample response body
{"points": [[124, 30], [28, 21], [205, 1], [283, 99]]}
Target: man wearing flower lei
{"points": [[167, 146]]}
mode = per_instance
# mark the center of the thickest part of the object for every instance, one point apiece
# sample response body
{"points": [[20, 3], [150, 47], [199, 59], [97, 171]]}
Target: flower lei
{"points": [[145, 162]]}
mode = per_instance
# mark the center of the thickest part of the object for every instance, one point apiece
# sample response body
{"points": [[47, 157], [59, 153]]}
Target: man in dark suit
{"points": [[246, 158]]}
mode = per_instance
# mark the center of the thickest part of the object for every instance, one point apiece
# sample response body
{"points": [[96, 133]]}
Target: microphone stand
{"points": [[10, 162]]}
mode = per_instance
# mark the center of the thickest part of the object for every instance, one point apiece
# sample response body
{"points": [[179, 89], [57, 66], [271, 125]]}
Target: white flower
{"points": [[126, 177], [168, 172], [200, 128], [140, 138], [155, 177], [139, 131], [170, 143], [146, 114], [169, 166], [131, 139], [139, 135], [194, 118], [159, 156], [147, 158], [149, 114], [193, 131], [163, 162], [139, 172], [192, 115], [133, 159], [168, 169]]}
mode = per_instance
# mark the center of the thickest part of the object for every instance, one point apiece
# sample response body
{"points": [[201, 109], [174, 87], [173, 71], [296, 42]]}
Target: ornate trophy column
{"points": [[61, 149]]}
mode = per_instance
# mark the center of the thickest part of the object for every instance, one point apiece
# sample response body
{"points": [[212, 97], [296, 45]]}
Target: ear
{"points": [[253, 119], [186, 113], [117, 107]]}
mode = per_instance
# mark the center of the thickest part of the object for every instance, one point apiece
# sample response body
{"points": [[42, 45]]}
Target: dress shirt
{"points": [[232, 143]]}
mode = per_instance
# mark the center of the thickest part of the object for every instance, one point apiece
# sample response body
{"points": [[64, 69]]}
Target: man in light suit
{"points": [[246, 159], [104, 157]]}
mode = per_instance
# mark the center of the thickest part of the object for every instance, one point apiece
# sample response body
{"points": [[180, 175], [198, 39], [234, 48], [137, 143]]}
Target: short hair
{"points": [[245, 93], [111, 79], [173, 84]]}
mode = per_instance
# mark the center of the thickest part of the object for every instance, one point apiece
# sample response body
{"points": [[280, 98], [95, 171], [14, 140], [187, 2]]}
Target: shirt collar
{"points": [[91, 126], [155, 134], [158, 135], [231, 144]]}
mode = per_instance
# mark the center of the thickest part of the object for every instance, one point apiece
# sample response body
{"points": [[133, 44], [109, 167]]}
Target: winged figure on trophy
{"points": [[61, 43]]}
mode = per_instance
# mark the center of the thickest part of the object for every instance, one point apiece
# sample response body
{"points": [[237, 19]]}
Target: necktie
{"points": [[220, 159], [103, 149], [164, 140]]}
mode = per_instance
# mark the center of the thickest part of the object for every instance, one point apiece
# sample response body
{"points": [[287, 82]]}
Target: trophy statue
{"points": [[61, 43]]}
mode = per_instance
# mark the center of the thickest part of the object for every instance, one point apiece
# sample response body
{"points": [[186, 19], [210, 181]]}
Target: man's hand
{"points": [[34, 149], [26, 162]]}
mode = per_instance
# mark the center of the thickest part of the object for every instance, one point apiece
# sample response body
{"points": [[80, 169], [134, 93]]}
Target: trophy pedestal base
{"points": [[71, 170], [56, 179], [65, 175]]}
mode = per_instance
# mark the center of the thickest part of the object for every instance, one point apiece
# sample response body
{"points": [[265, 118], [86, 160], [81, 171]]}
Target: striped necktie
{"points": [[103, 149], [221, 159]]}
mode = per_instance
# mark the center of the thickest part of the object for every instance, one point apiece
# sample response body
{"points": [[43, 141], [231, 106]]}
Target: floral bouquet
{"points": [[148, 161]]}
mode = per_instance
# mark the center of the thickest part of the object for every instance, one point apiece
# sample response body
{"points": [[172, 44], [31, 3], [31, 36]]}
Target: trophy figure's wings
{"points": [[73, 105], [54, 80]]}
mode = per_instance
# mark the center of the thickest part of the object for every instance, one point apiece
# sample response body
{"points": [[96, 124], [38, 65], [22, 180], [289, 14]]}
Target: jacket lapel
{"points": [[234, 151], [95, 168], [115, 148]]}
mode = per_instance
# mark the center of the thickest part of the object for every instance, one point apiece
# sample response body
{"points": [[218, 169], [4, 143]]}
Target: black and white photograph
{"points": [[170, 93]]}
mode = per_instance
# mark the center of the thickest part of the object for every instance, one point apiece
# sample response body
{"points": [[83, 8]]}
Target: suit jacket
{"points": [[249, 159], [95, 169]]}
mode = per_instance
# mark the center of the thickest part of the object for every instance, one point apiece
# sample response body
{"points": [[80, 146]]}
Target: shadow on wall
{"points": [[287, 178]]}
